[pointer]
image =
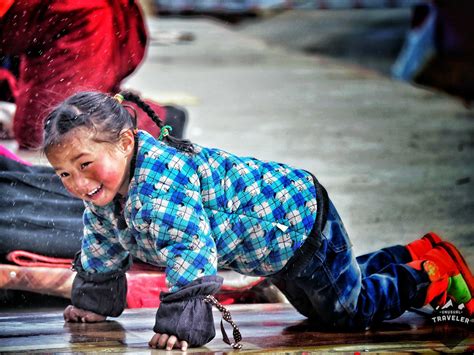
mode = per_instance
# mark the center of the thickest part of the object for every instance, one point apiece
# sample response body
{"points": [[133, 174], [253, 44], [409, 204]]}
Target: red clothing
{"points": [[4, 6], [66, 46]]}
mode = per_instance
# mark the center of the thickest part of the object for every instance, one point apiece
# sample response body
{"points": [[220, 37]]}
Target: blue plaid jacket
{"points": [[195, 213]]}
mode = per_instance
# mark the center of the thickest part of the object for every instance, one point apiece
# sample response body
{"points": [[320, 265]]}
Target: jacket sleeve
{"points": [[179, 229], [101, 248], [102, 293], [100, 284], [186, 314]]}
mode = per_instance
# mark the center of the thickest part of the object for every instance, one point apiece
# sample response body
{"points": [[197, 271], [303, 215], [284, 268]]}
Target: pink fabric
{"points": [[25, 258], [6, 153], [144, 288], [145, 281]]}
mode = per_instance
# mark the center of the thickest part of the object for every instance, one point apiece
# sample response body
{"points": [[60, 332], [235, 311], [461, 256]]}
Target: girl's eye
{"points": [[63, 175], [84, 165]]}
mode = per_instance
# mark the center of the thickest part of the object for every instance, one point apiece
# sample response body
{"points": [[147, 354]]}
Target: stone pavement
{"points": [[266, 329], [397, 160]]}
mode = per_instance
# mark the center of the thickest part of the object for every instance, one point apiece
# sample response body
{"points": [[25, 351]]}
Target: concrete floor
{"points": [[265, 328], [372, 38]]}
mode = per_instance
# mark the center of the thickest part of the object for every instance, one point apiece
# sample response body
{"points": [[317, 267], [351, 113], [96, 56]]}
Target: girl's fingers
{"points": [[66, 315], [171, 342], [74, 314], [91, 317], [184, 345], [70, 314], [154, 340], [162, 340]]}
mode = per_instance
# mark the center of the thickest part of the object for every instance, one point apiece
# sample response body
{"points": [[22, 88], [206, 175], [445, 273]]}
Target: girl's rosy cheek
{"points": [[109, 175], [69, 188]]}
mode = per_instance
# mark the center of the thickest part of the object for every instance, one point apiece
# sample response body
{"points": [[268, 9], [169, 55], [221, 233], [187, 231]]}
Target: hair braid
{"points": [[180, 144], [132, 97]]}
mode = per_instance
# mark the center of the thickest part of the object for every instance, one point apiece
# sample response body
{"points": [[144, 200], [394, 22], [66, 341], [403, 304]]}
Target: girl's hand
{"points": [[169, 342], [74, 314]]}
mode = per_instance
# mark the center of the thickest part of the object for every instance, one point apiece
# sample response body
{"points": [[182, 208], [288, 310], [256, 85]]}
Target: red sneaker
{"points": [[449, 274], [461, 265], [421, 246], [437, 290]]}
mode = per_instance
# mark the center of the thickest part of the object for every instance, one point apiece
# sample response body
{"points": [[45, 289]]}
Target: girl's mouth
{"points": [[94, 192]]}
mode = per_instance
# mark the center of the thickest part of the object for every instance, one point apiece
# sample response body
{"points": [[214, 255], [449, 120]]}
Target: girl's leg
{"points": [[397, 254], [332, 289], [377, 260]]}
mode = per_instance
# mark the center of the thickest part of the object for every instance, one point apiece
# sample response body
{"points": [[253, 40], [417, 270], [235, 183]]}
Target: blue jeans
{"points": [[336, 289]]}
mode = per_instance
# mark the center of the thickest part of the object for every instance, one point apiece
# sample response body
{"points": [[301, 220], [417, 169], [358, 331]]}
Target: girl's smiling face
{"points": [[90, 170]]}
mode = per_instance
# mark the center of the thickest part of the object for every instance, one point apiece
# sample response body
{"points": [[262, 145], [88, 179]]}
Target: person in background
{"points": [[439, 52], [54, 48]]}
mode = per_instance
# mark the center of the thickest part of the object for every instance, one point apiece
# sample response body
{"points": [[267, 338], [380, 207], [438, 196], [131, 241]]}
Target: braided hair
{"points": [[101, 113], [180, 144]]}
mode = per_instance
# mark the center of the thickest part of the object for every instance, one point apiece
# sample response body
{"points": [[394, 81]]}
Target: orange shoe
{"points": [[464, 271], [449, 274], [436, 292], [421, 246]]}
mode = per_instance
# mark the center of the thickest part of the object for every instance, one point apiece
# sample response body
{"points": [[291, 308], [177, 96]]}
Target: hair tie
{"points": [[165, 131], [119, 98]]}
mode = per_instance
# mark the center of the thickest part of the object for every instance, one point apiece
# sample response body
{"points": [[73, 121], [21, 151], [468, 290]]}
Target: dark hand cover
{"points": [[186, 315], [101, 293]]}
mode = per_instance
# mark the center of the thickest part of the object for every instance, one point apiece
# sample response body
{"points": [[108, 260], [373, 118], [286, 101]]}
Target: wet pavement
{"points": [[266, 329], [396, 160]]}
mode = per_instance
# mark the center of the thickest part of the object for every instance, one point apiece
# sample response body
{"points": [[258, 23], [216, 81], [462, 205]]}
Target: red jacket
{"points": [[65, 46]]}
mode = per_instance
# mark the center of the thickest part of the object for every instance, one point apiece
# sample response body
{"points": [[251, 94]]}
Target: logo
{"points": [[451, 313], [451, 323]]}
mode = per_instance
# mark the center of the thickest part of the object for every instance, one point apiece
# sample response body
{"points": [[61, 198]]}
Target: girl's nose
{"points": [[82, 185]]}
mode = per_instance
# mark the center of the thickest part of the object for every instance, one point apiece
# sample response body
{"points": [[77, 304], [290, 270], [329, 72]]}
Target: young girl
{"points": [[193, 209]]}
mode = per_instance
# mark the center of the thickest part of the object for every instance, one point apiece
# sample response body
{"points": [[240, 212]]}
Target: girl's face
{"points": [[91, 170]]}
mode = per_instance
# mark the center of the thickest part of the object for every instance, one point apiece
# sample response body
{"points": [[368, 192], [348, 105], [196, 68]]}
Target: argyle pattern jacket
{"points": [[193, 213]]}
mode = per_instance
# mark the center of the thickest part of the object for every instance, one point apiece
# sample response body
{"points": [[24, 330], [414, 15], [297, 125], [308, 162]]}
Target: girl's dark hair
{"points": [[102, 113]]}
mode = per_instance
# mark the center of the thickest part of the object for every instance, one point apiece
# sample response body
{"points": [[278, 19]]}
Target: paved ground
{"points": [[397, 160], [369, 37], [266, 329]]}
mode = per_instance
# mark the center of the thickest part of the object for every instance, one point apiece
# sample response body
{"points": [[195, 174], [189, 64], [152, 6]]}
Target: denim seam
{"points": [[338, 291]]}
